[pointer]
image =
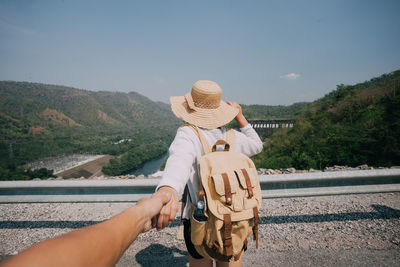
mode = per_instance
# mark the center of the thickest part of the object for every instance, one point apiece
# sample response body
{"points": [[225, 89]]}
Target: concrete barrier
{"points": [[272, 186]]}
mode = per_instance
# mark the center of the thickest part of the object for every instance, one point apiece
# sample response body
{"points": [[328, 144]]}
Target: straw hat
{"points": [[203, 106]]}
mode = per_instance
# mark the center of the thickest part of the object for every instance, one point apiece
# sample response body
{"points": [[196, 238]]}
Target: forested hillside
{"points": [[352, 125], [39, 120], [264, 111], [252, 112]]}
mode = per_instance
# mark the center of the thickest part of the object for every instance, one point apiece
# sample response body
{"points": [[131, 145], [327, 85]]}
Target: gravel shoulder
{"points": [[356, 230]]}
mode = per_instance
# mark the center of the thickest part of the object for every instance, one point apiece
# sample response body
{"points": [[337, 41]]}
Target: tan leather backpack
{"points": [[231, 192]]}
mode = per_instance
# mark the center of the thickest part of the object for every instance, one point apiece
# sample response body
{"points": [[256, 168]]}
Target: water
{"points": [[150, 166]]}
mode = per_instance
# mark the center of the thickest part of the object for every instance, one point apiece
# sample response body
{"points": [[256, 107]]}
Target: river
{"points": [[150, 166]]}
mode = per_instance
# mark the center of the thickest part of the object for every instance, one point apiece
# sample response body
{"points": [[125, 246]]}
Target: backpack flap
{"points": [[226, 188], [228, 193], [248, 179]]}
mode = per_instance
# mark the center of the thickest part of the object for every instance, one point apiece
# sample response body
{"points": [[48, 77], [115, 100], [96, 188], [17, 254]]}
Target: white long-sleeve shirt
{"points": [[186, 150]]}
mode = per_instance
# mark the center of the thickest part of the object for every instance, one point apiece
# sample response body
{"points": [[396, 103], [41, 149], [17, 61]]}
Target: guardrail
{"points": [[272, 186]]}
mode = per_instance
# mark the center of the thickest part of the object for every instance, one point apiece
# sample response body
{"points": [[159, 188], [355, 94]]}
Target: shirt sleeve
{"points": [[248, 142], [180, 160]]}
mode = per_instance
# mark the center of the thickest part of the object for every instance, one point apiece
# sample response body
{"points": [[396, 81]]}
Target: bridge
{"points": [[266, 127]]}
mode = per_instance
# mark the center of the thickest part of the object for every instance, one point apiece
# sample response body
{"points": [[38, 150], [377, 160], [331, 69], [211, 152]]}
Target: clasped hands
{"points": [[160, 209]]}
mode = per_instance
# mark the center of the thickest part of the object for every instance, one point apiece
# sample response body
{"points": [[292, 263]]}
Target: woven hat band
{"points": [[205, 103]]}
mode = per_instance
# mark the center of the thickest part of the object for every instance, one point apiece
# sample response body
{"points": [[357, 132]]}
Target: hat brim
{"points": [[201, 117]]}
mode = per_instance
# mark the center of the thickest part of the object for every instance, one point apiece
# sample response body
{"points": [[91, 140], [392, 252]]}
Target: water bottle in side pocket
{"points": [[198, 213]]}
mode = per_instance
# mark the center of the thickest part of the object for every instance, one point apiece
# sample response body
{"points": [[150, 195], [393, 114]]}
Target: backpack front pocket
{"points": [[248, 179], [228, 192]]}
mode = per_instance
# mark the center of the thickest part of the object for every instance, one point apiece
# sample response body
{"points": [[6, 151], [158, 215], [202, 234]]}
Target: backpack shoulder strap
{"points": [[200, 135], [231, 139]]}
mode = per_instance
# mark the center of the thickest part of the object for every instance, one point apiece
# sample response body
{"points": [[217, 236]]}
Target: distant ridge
{"points": [[29, 102]]}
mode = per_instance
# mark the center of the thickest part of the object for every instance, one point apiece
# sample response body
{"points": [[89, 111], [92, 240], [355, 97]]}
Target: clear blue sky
{"points": [[260, 52]]}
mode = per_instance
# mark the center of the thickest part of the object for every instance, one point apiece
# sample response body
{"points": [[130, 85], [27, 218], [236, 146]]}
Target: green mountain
{"points": [[352, 125], [40, 120], [47, 106]]}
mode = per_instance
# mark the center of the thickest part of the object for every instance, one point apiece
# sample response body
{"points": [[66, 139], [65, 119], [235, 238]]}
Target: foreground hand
{"points": [[152, 206], [168, 211]]}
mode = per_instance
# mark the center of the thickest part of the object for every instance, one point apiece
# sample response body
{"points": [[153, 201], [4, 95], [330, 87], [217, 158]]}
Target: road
{"points": [[345, 230]]}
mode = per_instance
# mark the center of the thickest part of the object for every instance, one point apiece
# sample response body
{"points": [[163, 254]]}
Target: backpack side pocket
{"points": [[197, 229]]}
